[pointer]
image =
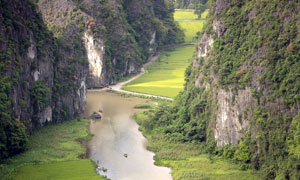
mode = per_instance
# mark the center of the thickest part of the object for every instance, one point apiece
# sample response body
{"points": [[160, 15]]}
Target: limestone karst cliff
{"points": [[247, 70], [241, 95], [41, 81], [117, 36], [52, 51]]}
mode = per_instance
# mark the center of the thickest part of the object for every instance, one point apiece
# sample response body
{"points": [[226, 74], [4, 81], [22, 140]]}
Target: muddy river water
{"points": [[117, 134]]}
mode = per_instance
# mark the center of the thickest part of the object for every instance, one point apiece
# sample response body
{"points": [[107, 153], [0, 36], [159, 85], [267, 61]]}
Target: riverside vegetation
{"points": [[168, 131], [188, 160], [44, 69], [54, 152], [256, 46], [255, 49]]}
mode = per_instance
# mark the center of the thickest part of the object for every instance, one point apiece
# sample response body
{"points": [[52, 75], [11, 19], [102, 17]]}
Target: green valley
{"points": [[191, 28], [149, 89], [165, 76]]}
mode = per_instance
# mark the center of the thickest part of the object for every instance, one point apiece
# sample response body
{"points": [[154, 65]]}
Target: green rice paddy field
{"points": [[190, 29], [165, 76], [66, 170], [184, 14], [188, 15], [54, 152]]}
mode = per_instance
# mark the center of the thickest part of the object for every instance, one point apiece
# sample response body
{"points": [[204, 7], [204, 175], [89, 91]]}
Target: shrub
{"points": [[242, 153], [40, 95]]}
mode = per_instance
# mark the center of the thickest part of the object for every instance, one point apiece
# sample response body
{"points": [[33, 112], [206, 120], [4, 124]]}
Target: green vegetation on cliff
{"points": [[39, 80], [165, 77], [256, 47], [189, 161]]}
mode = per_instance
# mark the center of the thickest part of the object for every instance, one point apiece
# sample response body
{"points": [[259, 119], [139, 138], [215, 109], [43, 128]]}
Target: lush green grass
{"points": [[188, 15], [53, 143], [184, 15], [165, 76], [188, 161], [204, 14], [66, 170], [190, 29]]}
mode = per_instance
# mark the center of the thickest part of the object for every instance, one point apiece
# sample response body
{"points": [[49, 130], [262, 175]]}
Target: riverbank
{"points": [[188, 161], [54, 152], [117, 144]]}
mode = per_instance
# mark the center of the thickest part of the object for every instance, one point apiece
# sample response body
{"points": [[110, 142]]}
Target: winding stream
{"points": [[117, 133]]}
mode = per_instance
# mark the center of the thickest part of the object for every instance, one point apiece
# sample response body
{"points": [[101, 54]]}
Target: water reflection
{"points": [[117, 134]]}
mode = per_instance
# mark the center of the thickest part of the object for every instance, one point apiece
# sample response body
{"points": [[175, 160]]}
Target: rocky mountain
{"points": [[118, 36], [41, 82], [51, 51], [242, 90]]}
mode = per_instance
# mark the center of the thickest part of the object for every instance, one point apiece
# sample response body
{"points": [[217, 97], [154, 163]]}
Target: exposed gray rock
{"points": [[234, 109], [95, 53], [220, 28], [46, 115], [252, 13], [204, 46], [220, 6], [260, 52]]}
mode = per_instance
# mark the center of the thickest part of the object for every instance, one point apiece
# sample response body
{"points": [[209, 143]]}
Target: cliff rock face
{"points": [[115, 36], [247, 68], [52, 51], [95, 54], [41, 82], [75, 28]]}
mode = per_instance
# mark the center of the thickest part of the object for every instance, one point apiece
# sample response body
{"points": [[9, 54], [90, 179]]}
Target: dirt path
{"points": [[119, 85]]}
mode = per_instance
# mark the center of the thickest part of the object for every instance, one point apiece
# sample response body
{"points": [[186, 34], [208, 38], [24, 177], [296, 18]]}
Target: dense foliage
{"points": [[13, 137], [42, 67], [259, 48], [127, 28], [29, 51], [182, 121], [188, 4]]}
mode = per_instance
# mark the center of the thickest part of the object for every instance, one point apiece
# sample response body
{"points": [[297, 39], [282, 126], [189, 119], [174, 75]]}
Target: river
{"points": [[117, 133]]}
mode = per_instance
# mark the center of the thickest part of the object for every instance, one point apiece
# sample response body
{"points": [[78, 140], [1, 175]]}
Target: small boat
{"points": [[125, 155]]}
